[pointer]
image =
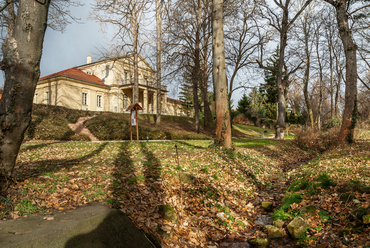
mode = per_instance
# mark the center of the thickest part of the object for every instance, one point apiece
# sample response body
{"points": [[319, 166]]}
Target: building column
{"points": [[155, 103], [145, 106], [165, 103]]}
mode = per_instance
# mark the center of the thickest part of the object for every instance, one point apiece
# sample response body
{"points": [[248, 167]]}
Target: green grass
{"points": [[253, 142], [26, 207], [282, 213], [251, 130]]}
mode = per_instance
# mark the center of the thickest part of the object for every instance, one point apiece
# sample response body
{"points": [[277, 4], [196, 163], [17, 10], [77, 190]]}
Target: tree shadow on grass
{"points": [[188, 144], [37, 146], [53, 165], [152, 165], [135, 185], [230, 157]]}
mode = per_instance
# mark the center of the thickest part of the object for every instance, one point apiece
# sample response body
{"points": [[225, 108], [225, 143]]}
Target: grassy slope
{"points": [[337, 183], [111, 126], [51, 123]]}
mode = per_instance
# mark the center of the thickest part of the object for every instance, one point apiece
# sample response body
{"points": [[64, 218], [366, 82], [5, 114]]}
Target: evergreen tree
{"points": [[269, 88], [244, 104]]}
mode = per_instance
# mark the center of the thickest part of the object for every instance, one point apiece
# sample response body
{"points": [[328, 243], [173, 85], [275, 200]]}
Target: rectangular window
{"points": [[98, 101], [84, 98], [36, 99]]}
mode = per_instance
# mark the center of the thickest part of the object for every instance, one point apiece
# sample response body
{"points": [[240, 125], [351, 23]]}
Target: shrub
{"points": [[315, 140], [332, 123], [50, 128]]}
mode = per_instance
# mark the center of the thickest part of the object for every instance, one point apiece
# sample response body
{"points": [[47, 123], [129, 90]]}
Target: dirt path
{"points": [[79, 128]]}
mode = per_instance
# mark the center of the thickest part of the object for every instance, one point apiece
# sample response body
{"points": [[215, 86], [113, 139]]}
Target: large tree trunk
{"points": [[281, 109], [207, 110], [135, 34], [320, 90], [196, 71], [351, 70], [223, 129], [337, 92], [159, 8], [21, 64], [306, 80], [331, 78]]}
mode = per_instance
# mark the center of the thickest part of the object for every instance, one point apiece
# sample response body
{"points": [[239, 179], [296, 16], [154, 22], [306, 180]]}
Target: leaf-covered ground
{"points": [[138, 177], [337, 183], [223, 203]]}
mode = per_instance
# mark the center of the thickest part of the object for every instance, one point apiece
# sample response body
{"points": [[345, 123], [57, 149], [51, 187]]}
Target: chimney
{"points": [[88, 59]]}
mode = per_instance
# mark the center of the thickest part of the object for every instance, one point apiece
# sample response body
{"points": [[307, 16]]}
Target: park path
{"points": [[80, 128]]}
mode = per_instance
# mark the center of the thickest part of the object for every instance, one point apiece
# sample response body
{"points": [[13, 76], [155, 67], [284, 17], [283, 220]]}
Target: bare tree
{"points": [[127, 16], [22, 52], [223, 128], [305, 27], [282, 24], [345, 15], [159, 7], [184, 45], [243, 38]]}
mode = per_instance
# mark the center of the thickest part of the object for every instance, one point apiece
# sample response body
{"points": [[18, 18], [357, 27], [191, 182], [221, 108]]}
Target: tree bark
{"points": [[351, 70], [307, 76], [196, 71], [21, 63], [320, 85], [331, 77], [281, 109], [135, 35], [207, 110], [223, 129], [158, 13]]}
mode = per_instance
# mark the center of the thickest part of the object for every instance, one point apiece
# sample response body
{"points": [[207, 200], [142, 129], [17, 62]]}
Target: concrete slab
{"points": [[95, 226]]}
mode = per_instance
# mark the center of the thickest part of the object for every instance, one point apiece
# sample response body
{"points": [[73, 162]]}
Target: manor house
{"points": [[106, 85]]}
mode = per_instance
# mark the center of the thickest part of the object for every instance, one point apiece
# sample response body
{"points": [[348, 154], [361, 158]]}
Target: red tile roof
{"points": [[174, 99], [75, 74]]}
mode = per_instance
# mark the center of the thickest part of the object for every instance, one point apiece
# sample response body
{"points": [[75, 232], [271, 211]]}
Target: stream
{"points": [[274, 193]]}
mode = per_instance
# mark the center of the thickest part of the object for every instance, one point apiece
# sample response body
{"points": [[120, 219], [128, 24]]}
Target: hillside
{"points": [[51, 123]]}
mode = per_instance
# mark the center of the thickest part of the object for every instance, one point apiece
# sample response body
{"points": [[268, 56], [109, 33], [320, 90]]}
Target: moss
{"points": [[300, 184], [325, 181], [168, 213]]}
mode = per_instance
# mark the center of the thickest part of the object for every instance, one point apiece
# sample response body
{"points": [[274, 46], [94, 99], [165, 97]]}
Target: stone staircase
{"points": [[79, 128]]}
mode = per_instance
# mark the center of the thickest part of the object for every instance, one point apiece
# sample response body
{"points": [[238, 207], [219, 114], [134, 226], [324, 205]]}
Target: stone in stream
{"points": [[298, 227], [273, 232], [263, 220], [266, 205], [168, 213], [279, 223], [259, 243]]}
